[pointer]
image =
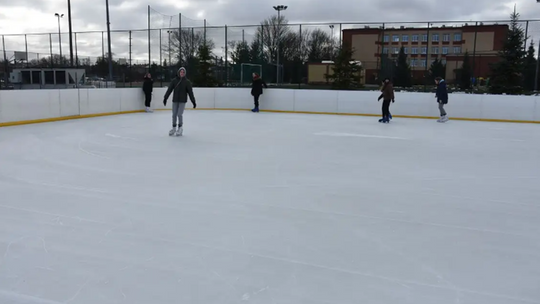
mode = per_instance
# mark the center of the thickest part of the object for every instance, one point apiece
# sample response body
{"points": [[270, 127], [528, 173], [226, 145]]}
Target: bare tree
{"points": [[186, 44]]}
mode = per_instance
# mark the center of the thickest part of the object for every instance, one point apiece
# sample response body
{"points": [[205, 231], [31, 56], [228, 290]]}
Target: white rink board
{"points": [[22, 105]]}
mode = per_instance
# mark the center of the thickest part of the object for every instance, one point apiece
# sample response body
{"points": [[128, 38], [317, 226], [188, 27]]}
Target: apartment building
{"points": [[424, 45]]}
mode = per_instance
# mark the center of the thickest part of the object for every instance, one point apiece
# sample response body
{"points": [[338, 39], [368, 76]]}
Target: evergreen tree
{"points": [[346, 72], [403, 71], [466, 72], [530, 68], [507, 74], [240, 52], [437, 69], [204, 77]]}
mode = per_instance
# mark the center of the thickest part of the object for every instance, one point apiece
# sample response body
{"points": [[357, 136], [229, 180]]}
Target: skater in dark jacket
{"points": [[387, 96], [180, 87], [148, 87], [442, 98], [257, 90]]}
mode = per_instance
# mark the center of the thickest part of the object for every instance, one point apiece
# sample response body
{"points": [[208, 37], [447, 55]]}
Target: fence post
{"points": [[180, 63], [102, 46], [340, 33], [50, 46], [149, 43], [204, 31], [474, 52], [226, 55], [130, 71], [26, 49], [302, 63], [537, 66], [6, 64], [161, 59], [76, 53]]}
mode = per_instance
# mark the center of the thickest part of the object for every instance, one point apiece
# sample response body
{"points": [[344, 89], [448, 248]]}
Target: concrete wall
{"points": [[20, 106]]}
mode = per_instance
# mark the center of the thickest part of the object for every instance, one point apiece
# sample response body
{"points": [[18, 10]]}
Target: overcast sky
{"points": [[37, 16]]}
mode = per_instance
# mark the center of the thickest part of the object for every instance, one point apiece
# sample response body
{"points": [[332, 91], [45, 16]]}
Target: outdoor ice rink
{"points": [[269, 208]]}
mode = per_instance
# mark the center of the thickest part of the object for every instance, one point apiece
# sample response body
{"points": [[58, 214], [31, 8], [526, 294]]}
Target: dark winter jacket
{"points": [[180, 87], [442, 92], [148, 85], [387, 92], [257, 86]]}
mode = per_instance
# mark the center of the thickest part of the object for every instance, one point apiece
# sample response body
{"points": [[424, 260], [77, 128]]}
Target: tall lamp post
{"points": [[278, 8], [59, 35], [109, 40], [70, 33]]}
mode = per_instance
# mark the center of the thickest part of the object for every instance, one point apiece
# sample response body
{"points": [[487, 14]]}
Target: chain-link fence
{"points": [[283, 54]]}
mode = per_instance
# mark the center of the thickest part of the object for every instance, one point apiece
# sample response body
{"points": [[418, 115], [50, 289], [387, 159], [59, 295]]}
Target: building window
{"points": [[414, 50], [445, 50], [424, 50], [385, 38], [457, 50], [446, 38], [395, 38], [443, 61], [457, 37], [423, 63], [424, 37], [395, 50], [435, 38], [385, 50], [414, 38], [406, 50], [405, 38], [435, 50], [413, 62]]}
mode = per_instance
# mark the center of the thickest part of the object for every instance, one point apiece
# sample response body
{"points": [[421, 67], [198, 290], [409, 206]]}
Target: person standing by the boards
{"points": [[180, 87], [442, 98], [148, 88], [387, 96], [257, 90]]}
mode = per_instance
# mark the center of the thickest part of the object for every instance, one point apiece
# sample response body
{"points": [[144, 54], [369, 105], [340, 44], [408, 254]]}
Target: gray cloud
{"points": [[133, 15]]}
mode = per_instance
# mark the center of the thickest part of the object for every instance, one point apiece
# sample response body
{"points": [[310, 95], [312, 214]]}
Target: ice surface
{"points": [[269, 208]]}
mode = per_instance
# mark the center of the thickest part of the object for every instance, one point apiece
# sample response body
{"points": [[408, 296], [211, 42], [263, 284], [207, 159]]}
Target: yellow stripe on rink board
{"points": [[44, 120]]}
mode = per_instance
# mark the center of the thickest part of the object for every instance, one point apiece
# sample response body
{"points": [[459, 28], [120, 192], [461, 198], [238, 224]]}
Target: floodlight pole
{"points": [[109, 40], [278, 8], [59, 35]]}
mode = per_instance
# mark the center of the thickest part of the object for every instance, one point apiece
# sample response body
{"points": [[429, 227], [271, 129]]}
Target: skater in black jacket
{"points": [[442, 98], [257, 90], [148, 87], [387, 96]]}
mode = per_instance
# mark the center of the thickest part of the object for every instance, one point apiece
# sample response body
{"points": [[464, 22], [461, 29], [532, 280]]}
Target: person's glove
{"points": [[393, 100], [165, 102], [194, 104]]}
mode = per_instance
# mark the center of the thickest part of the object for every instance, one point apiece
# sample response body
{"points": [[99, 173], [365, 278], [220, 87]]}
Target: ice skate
{"points": [[255, 110], [390, 116], [179, 132], [172, 132]]}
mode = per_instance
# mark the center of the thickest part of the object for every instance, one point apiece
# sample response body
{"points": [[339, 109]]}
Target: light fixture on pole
{"points": [[278, 8], [59, 35]]}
